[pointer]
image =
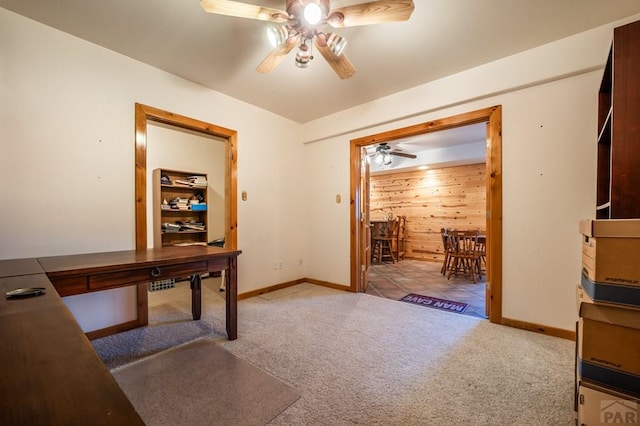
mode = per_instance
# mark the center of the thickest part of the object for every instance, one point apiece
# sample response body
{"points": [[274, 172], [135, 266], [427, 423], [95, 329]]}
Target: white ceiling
{"points": [[441, 38]]}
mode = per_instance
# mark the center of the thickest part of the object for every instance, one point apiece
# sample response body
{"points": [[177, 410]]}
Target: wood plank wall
{"points": [[450, 197]]}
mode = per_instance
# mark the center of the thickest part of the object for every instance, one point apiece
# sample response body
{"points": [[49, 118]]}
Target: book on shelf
{"points": [[193, 226], [179, 203], [171, 227], [197, 180]]}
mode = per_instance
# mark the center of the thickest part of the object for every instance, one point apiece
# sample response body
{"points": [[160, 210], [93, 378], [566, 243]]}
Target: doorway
{"points": [[443, 187], [145, 114], [359, 198]]}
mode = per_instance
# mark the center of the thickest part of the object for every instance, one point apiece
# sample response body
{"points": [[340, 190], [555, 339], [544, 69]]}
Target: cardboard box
{"points": [[611, 260], [609, 347], [583, 296], [600, 406], [614, 228]]}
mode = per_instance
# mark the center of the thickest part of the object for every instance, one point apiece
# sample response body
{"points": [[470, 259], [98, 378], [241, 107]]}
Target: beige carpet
{"points": [[216, 387], [361, 359]]}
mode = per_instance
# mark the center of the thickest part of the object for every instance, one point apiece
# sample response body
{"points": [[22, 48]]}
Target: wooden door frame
{"points": [[492, 116], [144, 114], [365, 226]]}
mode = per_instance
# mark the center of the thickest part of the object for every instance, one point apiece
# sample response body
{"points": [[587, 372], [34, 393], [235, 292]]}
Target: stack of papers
{"points": [[197, 181]]}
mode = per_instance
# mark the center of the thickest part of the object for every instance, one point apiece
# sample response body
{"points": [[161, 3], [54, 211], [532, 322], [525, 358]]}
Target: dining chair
{"points": [[401, 237], [481, 248], [446, 249], [464, 253], [383, 242], [377, 229]]}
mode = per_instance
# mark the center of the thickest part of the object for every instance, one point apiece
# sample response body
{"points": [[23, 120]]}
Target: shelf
{"points": [[605, 133], [618, 144], [173, 186], [171, 191], [184, 232], [182, 211]]}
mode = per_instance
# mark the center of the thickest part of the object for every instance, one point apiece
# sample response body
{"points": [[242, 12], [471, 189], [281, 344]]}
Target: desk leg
{"points": [[232, 298], [196, 296]]}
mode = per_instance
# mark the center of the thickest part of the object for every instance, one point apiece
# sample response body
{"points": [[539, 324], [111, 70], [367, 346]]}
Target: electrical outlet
{"points": [[300, 261], [276, 265]]}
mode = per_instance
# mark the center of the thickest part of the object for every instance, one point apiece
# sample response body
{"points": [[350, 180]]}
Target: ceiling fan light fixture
{"points": [[382, 158], [386, 157], [312, 13], [277, 35], [336, 43], [378, 158]]}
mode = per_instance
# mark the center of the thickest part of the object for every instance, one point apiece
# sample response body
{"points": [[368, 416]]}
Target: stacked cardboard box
{"points": [[608, 330]]}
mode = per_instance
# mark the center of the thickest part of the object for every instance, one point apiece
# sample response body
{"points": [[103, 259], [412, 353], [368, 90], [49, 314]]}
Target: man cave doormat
{"points": [[434, 302]]}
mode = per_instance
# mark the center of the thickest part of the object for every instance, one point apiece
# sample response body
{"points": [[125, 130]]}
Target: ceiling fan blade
{"points": [[340, 64], [244, 10], [374, 12], [276, 56], [403, 154]]}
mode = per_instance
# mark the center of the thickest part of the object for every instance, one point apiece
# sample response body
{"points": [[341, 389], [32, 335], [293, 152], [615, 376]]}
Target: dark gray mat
{"points": [[172, 328], [216, 387]]}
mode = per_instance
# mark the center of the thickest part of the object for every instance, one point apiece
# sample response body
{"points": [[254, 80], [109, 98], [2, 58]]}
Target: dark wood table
{"points": [[84, 273], [49, 370]]}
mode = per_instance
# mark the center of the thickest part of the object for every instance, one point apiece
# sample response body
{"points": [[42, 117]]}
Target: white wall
{"points": [[549, 99], [67, 158]]}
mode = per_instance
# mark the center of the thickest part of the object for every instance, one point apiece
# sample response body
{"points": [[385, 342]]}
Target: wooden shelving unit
{"points": [[618, 174], [164, 193]]}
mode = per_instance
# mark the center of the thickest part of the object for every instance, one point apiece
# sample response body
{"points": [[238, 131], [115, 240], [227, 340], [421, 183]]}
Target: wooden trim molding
{"points": [[144, 114], [329, 284], [280, 286], [493, 117], [542, 329], [270, 289], [118, 328], [494, 214]]}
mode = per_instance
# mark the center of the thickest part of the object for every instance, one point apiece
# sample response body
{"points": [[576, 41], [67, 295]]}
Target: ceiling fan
{"points": [[302, 22], [383, 153]]}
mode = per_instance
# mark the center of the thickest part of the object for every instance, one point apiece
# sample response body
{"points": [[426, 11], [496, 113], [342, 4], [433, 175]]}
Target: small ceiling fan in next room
{"points": [[302, 22], [383, 153]]}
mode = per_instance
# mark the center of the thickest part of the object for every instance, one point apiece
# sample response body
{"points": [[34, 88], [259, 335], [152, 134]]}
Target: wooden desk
{"points": [[84, 273], [17, 267], [50, 372]]}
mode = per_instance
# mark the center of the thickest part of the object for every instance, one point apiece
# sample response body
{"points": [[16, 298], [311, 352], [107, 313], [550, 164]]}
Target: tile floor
{"points": [[395, 280]]}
